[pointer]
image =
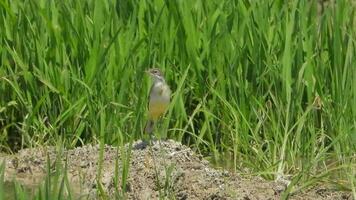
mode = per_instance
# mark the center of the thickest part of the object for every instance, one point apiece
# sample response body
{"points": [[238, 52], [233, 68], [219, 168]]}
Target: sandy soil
{"points": [[166, 169]]}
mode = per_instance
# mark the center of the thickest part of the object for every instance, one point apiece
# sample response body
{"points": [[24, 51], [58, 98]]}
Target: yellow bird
{"points": [[159, 98]]}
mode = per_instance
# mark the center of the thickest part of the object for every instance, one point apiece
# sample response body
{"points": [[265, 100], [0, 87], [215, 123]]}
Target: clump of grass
{"points": [[267, 85], [55, 186]]}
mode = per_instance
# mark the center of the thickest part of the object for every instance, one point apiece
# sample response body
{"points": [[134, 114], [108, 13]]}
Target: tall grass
{"points": [[268, 85]]}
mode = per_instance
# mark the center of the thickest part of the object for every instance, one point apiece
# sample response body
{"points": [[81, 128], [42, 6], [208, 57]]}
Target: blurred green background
{"points": [[267, 85]]}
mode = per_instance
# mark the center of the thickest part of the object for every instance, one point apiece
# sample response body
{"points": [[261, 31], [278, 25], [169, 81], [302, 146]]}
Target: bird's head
{"points": [[156, 74]]}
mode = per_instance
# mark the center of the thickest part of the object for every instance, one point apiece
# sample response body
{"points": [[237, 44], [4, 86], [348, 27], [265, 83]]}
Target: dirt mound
{"points": [[166, 169]]}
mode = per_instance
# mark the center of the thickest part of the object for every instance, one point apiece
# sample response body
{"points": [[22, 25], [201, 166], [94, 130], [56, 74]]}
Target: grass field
{"points": [[264, 85]]}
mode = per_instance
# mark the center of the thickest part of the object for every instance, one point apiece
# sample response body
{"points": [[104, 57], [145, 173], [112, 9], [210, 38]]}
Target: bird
{"points": [[159, 98]]}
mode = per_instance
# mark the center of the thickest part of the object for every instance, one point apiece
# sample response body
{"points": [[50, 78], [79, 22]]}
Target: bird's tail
{"points": [[149, 126]]}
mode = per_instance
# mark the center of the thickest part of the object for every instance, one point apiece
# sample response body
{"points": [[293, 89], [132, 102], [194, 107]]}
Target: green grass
{"points": [[266, 85]]}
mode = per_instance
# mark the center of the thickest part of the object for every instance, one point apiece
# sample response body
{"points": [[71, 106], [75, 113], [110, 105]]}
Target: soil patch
{"points": [[166, 169]]}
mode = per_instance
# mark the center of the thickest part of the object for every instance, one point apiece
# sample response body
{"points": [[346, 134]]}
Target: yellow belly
{"points": [[156, 109]]}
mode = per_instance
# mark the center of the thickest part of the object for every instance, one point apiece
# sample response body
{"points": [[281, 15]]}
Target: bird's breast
{"points": [[159, 100]]}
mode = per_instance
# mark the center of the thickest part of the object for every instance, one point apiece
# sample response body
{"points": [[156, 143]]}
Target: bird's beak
{"points": [[149, 72]]}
